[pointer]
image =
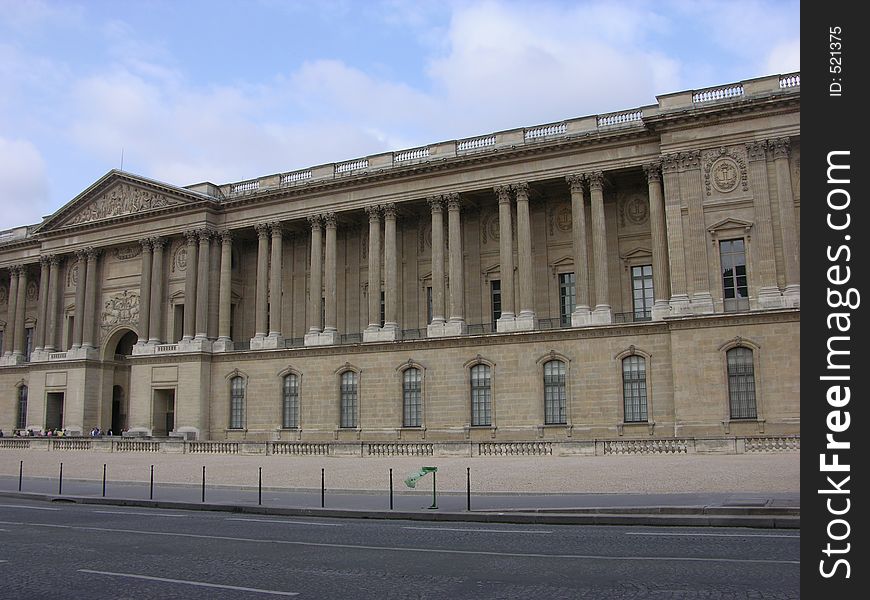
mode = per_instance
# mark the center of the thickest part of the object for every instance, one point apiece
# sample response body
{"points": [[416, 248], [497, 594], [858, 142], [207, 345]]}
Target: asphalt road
{"points": [[86, 551]]}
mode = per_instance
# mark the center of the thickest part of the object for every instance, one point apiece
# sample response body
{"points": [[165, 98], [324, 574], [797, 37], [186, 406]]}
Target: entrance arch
{"points": [[119, 345]]}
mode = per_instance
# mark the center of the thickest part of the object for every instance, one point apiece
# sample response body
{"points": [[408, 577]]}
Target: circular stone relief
{"points": [[563, 219], [726, 174], [636, 211]]}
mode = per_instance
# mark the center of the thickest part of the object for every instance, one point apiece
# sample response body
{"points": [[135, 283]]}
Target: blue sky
{"points": [[221, 91]]}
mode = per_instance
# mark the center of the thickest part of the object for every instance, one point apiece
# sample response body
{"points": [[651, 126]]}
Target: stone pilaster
{"points": [[261, 325], [315, 286], [202, 275], [190, 278], [436, 327], [225, 294], [53, 309], [145, 293], [79, 314], [676, 248], [42, 305], [88, 327], [658, 231], [276, 292], [158, 287], [391, 273], [9, 333], [764, 271], [456, 324], [330, 314], [788, 230], [507, 320], [526, 318], [20, 300], [602, 312], [374, 213], [582, 315]]}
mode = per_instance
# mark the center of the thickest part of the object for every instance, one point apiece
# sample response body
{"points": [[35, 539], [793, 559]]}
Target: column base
{"points": [[195, 345], [326, 338], [39, 356], [135, 432], [144, 348], [83, 353], [660, 310], [602, 315], [518, 323], [702, 303], [680, 305], [11, 360], [581, 317], [769, 297], [446, 329], [384, 334], [269, 342], [792, 296], [222, 345], [189, 433]]}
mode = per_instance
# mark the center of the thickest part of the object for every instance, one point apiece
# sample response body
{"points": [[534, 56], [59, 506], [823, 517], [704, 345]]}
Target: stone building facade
{"points": [[627, 275]]}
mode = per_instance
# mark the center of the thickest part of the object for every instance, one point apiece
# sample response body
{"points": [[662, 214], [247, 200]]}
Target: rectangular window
{"points": [[642, 292], [237, 403], [481, 396], [349, 397], [290, 407], [70, 322], [634, 389], [495, 299], [741, 383], [232, 321], [21, 422], [567, 298], [555, 397], [735, 290], [412, 393]]}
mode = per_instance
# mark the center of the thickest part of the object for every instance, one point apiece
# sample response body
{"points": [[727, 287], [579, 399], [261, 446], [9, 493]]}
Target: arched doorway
{"points": [[117, 349]]}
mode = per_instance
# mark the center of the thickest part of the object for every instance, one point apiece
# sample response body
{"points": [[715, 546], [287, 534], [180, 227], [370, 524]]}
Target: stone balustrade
{"points": [[475, 143], [415, 154], [353, 165], [668, 446], [245, 187], [545, 131], [388, 449], [515, 449], [298, 449], [620, 118], [294, 177], [790, 81], [719, 93]]}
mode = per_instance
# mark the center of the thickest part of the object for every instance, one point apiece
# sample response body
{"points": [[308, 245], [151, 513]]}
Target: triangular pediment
{"points": [[729, 223], [119, 194]]}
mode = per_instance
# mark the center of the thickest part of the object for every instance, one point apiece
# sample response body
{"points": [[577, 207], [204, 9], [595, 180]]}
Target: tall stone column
{"points": [[582, 315], [155, 323], [225, 293], [203, 254], [276, 276], [455, 261], [316, 278], [764, 269], [702, 299], [90, 301], [21, 298], [661, 295], [190, 277], [391, 274], [145, 294], [526, 318], [507, 320], [52, 304], [602, 312], [42, 306], [676, 247], [9, 339], [81, 272], [436, 327], [330, 325], [374, 213], [261, 325], [788, 230]]}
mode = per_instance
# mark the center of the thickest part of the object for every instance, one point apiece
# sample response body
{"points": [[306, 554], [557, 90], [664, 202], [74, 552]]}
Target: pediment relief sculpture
{"points": [[123, 199]]}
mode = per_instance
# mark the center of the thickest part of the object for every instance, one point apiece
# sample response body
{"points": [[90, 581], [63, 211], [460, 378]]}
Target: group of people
{"points": [[54, 432]]}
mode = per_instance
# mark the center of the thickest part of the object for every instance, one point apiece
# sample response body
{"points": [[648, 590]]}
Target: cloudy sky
{"points": [[225, 90]]}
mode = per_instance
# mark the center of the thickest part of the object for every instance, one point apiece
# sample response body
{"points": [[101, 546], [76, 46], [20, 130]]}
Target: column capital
{"points": [[16, 270], [157, 242], [147, 244], [757, 150], [781, 147], [316, 221], [596, 180], [45, 260], [576, 182], [503, 192], [389, 210], [93, 253], [191, 236], [330, 221], [653, 171], [374, 212], [81, 254], [670, 163], [204, 235], [262, 229], [276, 229], [225, 235], [690, 159], [453, 201], [55, 259], [436, 203], [521, 188]]}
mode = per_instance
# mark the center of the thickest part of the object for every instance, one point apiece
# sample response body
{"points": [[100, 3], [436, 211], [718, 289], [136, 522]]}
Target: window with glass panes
{"points": [[735, 290], [555, 397], [567, 297], [495, 299], [634, 389], [741, 383], [412, 398], [21, 421], [237, 402], [481, 395], [28, 342], [349, 397], [642, 292], [290, 402]]}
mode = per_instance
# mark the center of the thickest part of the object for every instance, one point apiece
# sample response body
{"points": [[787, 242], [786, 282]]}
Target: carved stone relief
{"points": [[120, 309], [122, 200], [32, 292], [127, 252], [179, 258], [559, 219], [725, 171], [633, 208]]}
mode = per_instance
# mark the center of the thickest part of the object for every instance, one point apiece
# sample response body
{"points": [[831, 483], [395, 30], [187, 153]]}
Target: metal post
{"points": [[467, 488], [20, 474], [322, 488], [260, 487], [434, 497], [104, 480], [60, 481], [151, 491], [203, 483], [391, 489]]}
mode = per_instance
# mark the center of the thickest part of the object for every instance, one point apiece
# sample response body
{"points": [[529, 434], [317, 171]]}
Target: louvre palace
{"points": [[625, 276]]}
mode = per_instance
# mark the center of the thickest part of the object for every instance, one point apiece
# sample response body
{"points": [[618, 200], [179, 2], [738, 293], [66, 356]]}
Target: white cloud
{"points": [[23, 182], [784, 58]]}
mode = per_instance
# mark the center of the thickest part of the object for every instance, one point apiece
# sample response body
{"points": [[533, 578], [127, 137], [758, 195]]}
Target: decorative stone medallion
{"points": [[179, 261], [725, 170], [32, 292], [72, 276], [128, 252], [120, 309], [725, 175], [636, 210]]}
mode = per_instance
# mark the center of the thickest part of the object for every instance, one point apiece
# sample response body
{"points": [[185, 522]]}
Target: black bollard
{"points": [[322, 488], [203, 483], [434, 496], [391, 489], [104, 480], [260, 487], [20, 474], [60, 481], [151, 489], [467, 488]]}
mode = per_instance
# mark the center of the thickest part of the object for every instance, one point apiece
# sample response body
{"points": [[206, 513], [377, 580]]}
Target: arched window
{"points": [[481, 395], [290, 402], [237, 402], [741, 383], [349, 398], [555, 397], [634, 389], [21, 421], [412, 398]]}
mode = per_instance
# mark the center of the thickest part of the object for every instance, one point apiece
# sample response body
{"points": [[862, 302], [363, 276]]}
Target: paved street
{"points": [[93, 552]]}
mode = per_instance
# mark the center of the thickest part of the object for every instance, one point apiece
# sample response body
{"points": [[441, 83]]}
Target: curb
{"points": [[775, 518]]}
